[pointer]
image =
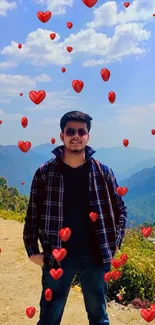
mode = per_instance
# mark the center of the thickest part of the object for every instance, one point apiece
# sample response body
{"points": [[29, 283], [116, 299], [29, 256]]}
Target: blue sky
{"points": [[106, 36]]}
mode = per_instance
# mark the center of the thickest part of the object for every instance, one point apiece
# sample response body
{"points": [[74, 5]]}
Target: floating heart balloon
{"points": [[146, 231], [69, 24], [105, 74], [122, 190], [89, 3], [52, 36], [65, 234], [44, 16], [19, 46], [59, 254], [56, 274], [52, 140], [48, 294], [107, 276], [77, 85], [24, 122], [148, 315], [30, 311], [24, 146], [126, 142], [126, 4], [1, 121], [115, 275], [93, 216], [37, 97], [153, 131], [116, 263], [63, 70], [112, 97], [21, 94], [23, 183], [153, 15], [69, 48]]}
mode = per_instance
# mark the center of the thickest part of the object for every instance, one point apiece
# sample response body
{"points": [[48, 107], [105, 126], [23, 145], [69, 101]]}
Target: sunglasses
{"points": [[70, 132]]}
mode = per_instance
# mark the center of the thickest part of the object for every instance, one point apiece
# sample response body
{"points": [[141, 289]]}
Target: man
{"points": [[65, 192]]}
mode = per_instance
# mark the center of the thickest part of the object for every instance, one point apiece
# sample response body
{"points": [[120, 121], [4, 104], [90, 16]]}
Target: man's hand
{"points": [[37, 259]]}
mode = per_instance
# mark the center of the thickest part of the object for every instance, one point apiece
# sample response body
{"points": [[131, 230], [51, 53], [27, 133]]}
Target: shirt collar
{"points": [[89, 152]]}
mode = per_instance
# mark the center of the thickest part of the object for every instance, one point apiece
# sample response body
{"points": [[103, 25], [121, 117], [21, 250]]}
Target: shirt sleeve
{"points": [[30, 231], [119, 208]]}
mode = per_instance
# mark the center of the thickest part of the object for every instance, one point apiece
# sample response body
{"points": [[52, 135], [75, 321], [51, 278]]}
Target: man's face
{"points": [[75, 136]]}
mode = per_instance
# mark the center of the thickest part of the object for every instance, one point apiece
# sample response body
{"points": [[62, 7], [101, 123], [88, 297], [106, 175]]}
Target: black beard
{"points": [[76, 151]]}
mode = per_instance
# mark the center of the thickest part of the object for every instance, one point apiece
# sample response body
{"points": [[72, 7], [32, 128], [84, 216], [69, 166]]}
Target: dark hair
{"points": [[75, 116]]}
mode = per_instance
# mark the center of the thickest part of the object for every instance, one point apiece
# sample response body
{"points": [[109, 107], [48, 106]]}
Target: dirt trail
{"points": [[20, 287]]}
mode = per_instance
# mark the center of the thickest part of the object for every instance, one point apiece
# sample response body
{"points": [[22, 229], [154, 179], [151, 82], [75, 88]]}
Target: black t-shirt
{"points": [[76, 209]]}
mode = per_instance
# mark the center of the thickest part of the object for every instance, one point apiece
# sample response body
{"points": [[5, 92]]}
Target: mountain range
{"points": [[133, 167]]}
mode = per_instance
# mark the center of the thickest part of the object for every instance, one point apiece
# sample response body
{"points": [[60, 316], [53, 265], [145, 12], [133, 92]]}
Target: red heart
{"points": [[0, 121], [126, 4], [63, 70], [115, 275], [52, 36], [65, 233], [19, 46], [105, 74], [148, 315], [37, 97], [59, 254], [125, 142], [21, 94], [107, 276], [30, 311], [69, 24], [122, 190], [147, 231], [153, 15], [44, 16], [112, 97], [69, 48], [23, 183], [48, 294], [24, 122], [56, 274], [124, 258], [93, 216], [24, 146], [52, 140], [89, 3], [152, 306], [77, 85], [116, 263], [153, 131]]}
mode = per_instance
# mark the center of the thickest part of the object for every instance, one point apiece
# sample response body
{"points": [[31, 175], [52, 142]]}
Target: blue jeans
{"points": [[94, 289]]}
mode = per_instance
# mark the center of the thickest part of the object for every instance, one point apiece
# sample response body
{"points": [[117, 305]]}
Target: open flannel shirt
{"points": [[44, 217]]}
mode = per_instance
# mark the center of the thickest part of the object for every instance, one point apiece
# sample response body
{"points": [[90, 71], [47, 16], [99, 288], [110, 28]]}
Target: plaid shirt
{"points": [[44, 217]]}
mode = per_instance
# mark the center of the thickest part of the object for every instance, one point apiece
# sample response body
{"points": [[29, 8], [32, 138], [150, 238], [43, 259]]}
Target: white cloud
{"points": [[108, 15], [56, 100], [7, 65], [9, 117], [12, 85], [5, 6], [57, 7], [42, 78], [39, 49]]}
